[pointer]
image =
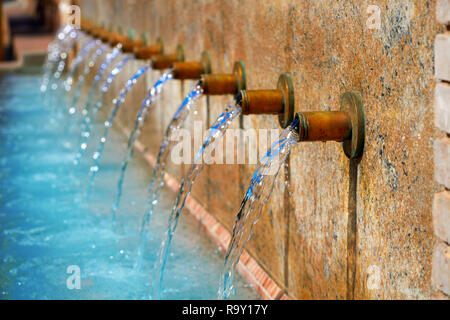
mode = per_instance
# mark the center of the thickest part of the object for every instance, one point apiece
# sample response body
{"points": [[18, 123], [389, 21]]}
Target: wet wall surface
{"points": [[332, 228]]}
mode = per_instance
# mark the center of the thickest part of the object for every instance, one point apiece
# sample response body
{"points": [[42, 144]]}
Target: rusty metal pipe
{"points": [[162, 62], [218, 84], [192, 70], [147, 52], [104, 36], [116, 38], [129, 45], [324, 126], [345, 125], [279, 101], [188, 70], [262, 102]]}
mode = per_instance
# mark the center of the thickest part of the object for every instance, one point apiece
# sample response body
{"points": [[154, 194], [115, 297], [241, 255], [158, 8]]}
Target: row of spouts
{"points": [[345, 125]]}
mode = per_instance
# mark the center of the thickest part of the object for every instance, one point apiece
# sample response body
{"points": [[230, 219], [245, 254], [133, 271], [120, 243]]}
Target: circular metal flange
{"points": [[239, 71], [180, 53], [352, 104], [144, 37], [160, 42], [287, 88], [131, 34], [206, 62]]}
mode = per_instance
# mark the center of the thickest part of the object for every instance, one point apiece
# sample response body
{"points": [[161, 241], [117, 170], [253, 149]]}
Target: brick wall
{"points": [[440, 278]]}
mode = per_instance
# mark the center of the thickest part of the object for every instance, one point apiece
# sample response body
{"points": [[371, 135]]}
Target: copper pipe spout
{"points": [[279, 101], [192, 70], [324, 126], [262, 101], [86, 26], [146, 52], [218, 84], [104, 35], [115, 38], [129, 45], [162, 62], [345, 125]]}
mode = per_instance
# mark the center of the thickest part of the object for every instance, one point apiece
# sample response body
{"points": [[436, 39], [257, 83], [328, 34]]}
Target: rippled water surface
{"points": [[47, 226]]}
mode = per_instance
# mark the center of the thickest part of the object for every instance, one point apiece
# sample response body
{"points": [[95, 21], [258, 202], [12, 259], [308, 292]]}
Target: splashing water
{"points": [[108, 82], [58, 50], [86, 125], [157, 179], [257, 195], [152, 96], [117, 103], [68, 82], [83, 76], [56, 67], [216, 133]]}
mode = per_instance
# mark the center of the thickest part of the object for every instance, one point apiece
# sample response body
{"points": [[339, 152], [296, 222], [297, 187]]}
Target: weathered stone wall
{"points": [[332, 228]]}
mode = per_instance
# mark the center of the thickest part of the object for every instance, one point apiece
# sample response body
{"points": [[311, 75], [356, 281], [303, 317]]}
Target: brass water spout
{"points": [[346, 125], [115, 38], [129, 45], [192, 70], [146, 52], [165, 61], [218, 84]]}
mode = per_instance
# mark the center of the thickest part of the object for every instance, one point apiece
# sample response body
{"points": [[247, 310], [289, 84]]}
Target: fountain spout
{"points": [[146, 52], [192, 70], [345, 125], [165, 61], [218, 84]]}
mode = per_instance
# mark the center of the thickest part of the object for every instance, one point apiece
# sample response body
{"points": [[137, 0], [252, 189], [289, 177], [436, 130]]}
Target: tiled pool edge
{"points": [[263, 284]]}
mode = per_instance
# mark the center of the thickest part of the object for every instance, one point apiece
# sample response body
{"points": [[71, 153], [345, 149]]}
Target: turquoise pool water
{"points": [[46, 225]]}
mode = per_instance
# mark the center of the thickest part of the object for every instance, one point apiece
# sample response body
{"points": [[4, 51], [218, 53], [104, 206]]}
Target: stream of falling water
{"points": [[255, 198], [57, 50], [57, 61], [86, 124], [157, 179], [84, 75], [81, 56], [152, 96], [106, 85], [109, 80], [216, 133], [108, 123]]}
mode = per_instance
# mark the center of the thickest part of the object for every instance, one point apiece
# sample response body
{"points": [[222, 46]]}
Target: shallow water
{"points": [[46, 226]]}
